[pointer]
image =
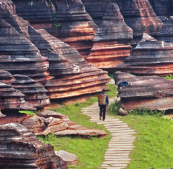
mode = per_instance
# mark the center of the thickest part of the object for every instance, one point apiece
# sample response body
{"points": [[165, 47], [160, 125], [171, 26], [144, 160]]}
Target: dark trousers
{"points": [[102, 111]]}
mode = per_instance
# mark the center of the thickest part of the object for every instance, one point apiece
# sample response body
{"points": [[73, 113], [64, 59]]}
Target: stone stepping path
{"points": [[121, 143]]}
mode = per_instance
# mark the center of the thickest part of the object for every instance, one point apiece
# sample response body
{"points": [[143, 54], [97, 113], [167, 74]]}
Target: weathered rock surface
{"points": [[138, 15], [19, 148], [11, 98], [76, 26], [71, 71], [73, 76], [34, 93], [18, 54], [166, 33], [111, 42], [150, 57], [52, 122], [162, 7], [69, 158], [89, 132], [151, 92]]}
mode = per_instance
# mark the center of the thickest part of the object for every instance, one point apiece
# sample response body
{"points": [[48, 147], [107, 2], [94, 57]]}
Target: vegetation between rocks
{"points": [[90, 151]]}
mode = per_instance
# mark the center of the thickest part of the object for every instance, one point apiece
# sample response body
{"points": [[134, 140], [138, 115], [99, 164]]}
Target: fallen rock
{"points": [[49, 113], [89, 132], [43, 126], [151, 92], [19, 148], [122, 112], [77, 127], [111, 44], [69, 158]]}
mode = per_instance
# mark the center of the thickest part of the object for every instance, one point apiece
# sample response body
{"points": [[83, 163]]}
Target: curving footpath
{"points": [[121, 143]]}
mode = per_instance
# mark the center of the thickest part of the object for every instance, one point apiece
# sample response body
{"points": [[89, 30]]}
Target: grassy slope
{"points": [[153, 146], [89, 151]]}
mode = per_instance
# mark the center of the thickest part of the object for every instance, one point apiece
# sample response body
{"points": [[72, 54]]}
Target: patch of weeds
{"points": [[167, 118], [111, 75], [55, 21], [113, 108], [169, 77], [145, 111]]}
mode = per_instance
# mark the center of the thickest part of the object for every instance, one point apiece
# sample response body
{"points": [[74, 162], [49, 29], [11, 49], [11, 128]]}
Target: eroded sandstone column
{"points": [[66, 20], [111, 44], [19, 148]]}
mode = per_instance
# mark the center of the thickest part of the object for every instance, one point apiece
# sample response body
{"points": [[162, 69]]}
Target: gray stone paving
{"points": [[121, 143]]}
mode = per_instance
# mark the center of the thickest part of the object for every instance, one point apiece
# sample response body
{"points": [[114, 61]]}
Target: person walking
{"points": [[103, 102]]}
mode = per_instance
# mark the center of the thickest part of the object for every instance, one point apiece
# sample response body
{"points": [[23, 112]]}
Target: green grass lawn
{"points": [[90, 151], [154, 141]]}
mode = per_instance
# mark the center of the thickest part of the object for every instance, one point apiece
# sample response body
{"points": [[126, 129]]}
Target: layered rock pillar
{"points": [[66, 20], [150, 57], [73, 76], [138, 15], [111, 42]]}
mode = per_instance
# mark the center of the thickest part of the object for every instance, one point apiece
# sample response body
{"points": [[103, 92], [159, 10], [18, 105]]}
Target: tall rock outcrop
{"points": [[138, 15], [19, 148], [111, 42], [150, 57], [66, 20], [19, 55], [150, 92], [73, 76]]}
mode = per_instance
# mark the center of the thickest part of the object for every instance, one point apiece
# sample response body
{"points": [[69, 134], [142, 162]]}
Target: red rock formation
{"points": [[73, 75], [77, 27], [19, 148], [111, 42], [52, 122], [138, 15], [18, 54], [35, 94], [11, 98], [150, 57], [151, 92]]}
